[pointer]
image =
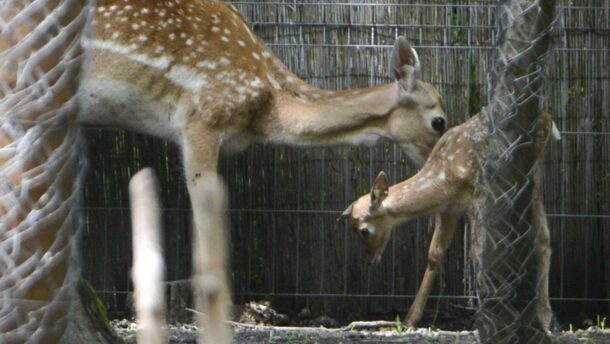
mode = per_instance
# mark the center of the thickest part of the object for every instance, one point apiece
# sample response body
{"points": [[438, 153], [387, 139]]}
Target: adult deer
{"points": [[445, 186], [193, 72]]}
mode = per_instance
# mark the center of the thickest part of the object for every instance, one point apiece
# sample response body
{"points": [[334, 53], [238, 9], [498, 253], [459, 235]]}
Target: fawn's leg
{"points": [[443, 233], [543, 251]]}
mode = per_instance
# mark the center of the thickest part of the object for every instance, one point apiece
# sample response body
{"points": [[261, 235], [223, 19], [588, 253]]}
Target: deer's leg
{"points": [[443, 233], [543, 251], [206, 192]]}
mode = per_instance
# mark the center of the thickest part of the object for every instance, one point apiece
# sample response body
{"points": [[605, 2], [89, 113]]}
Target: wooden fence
{"points": [[285, 243]]}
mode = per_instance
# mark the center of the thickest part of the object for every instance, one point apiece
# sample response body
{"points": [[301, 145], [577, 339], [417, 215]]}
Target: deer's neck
{"points": [[304, 115], [446, 181]]}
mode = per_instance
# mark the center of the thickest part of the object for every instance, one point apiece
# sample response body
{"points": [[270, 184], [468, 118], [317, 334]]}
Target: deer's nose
{"points": [[438, 124]]}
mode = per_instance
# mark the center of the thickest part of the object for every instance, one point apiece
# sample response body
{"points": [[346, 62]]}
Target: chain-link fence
{"points": [[286, 245], [40, 61], [511, 226]]}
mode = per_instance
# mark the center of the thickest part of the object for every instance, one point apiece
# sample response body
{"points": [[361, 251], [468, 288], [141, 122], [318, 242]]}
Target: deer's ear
{"points": [[379, 191], [346, 213], [404, 64]]}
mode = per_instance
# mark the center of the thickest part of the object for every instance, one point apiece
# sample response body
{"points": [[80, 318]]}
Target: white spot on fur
{"points": [[156, 62], [256, 56], [256, 83], [108, 45], [241, 43], [252, 37], [224, 61], [188, 78], [425, 184], [274, 82]]}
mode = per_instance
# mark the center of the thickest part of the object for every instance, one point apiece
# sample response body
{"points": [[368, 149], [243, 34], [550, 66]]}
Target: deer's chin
{"points": [[416, 153]]}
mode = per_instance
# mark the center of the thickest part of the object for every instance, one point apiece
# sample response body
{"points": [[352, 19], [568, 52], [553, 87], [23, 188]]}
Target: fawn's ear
{"points": [[379, 191], [346, 213], [404, 64]]}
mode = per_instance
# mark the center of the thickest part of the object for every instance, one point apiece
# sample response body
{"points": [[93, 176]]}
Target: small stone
{"points": [[305, 313], [124, 323]]}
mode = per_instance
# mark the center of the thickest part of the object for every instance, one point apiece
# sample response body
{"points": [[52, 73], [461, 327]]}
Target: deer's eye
{"points": [[438, 124], [365, 233]]}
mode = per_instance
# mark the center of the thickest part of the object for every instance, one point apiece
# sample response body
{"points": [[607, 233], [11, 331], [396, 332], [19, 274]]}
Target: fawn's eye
{"points": [[438, 124]]}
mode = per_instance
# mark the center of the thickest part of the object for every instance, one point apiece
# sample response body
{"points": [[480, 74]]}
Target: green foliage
{"points": [[601, 322], [93, 305], [458, 35], [474, 92], [398, 325]]}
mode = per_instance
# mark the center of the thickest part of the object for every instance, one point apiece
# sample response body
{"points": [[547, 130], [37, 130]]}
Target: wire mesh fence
{"points": [[285, 243]]}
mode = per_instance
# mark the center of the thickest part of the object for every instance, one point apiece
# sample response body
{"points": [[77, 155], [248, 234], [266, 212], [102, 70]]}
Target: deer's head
{"points": [[418, 119], [370, 219]]}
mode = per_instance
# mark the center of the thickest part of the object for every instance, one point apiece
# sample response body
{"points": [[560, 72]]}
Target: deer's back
{"points": [[172, 62]]}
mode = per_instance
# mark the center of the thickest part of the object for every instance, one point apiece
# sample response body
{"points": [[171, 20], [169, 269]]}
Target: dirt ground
{"points": [[292, 335], [258, 322]]}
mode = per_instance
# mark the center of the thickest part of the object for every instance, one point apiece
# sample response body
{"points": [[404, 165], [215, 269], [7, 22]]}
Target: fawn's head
{"points": [[370, 219], [419, 119]]}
